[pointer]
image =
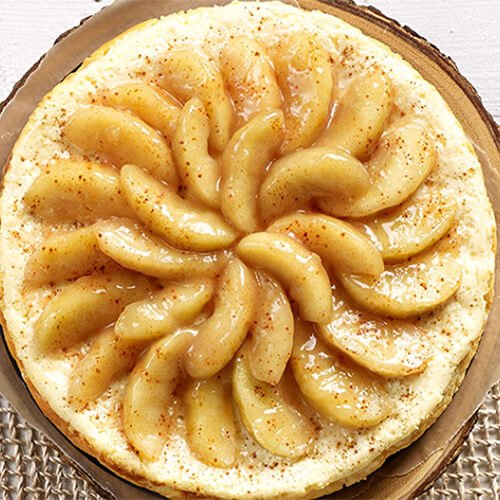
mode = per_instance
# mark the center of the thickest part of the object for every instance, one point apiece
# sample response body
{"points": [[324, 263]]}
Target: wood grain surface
{"points": [[467, 31]]}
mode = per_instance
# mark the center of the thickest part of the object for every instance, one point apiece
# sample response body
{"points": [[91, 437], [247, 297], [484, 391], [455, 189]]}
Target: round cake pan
{"points": [[412, 470]]}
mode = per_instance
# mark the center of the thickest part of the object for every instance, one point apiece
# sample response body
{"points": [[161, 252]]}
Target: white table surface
{"points": [[467, 31]]}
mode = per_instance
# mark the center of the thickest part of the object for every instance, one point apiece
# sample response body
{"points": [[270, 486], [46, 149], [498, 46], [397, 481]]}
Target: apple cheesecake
{"points": [[247, 252]]}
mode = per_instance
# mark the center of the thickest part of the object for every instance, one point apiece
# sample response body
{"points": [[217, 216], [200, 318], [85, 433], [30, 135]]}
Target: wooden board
{"points": [[464, 116]]}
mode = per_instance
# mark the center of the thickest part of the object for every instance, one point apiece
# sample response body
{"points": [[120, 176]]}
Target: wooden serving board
{"points": [[72, 48]]}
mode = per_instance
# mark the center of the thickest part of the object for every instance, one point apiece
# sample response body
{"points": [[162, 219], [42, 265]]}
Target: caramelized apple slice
{"points": [[244, 160], [390, 347], [187, 75], [295, 266], [403, 159], [87, 305], [334, 385], [211, 431], [122, 138], [250, 78], [183, 223], [272, 332], [77, 191], [199, 172], [413, 287], [109, 356], [338, 243], [361, 114], [64, 256], [412, 227], [220, 336], [148, 102], [127, 243], [163, 312], [147, 408], [294, 179], [305, 77], [267, 415]]}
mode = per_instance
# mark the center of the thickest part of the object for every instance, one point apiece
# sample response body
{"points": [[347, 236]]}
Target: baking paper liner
{"points": [[408, 472]]}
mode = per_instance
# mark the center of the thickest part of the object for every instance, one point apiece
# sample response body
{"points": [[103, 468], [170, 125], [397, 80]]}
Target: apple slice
{"points": [[220, 336], [249, 75], [122, 138], [412, 227], [183, 223], [244, 161], [272, 332], [149, 102], [199, 172], [166, 310], [403, 159], [187, 74], [211, 431], [147, 407], [109, 356], [336, 387], [267, 415], [390, 347], [339, 244], [135, 248], [87, 305], [304, 75], [295, 179], [413, 287], [298, 268], [361, 114], [66, 255], [77, 191]]}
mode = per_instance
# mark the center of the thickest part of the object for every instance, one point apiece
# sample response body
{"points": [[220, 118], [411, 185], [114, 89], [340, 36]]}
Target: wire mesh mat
{"points": [[32, 468]]}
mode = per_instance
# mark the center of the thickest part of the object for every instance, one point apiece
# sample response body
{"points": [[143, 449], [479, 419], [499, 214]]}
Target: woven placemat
{"points": [[32, 468]]}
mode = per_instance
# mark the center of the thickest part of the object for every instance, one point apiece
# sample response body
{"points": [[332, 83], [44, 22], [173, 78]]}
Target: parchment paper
{"points": [[408, 471]]}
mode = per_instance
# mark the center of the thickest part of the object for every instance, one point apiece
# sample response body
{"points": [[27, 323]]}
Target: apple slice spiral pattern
{"points": [[215, 243]]}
